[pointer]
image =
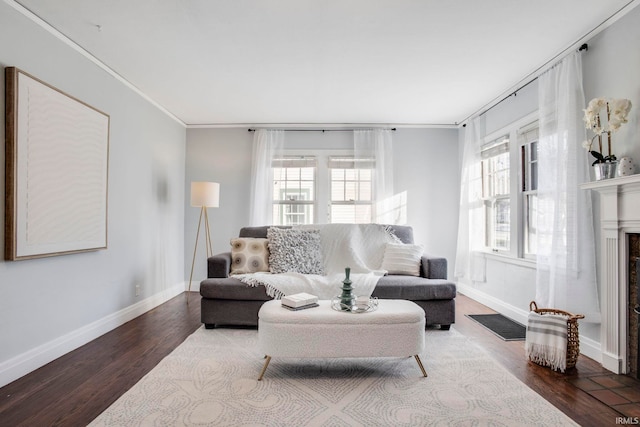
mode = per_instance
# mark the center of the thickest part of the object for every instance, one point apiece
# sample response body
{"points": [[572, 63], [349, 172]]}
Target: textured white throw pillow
{"points": [[402, 259], [295, 250]]}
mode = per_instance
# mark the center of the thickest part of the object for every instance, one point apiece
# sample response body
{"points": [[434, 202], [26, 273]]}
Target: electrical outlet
{"points": [[137, 290]]}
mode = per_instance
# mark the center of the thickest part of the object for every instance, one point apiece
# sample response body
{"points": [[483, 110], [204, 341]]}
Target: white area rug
{"points": [[210, 380]]}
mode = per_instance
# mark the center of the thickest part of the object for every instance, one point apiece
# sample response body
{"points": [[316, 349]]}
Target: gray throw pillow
{"points": [[294, 250]]}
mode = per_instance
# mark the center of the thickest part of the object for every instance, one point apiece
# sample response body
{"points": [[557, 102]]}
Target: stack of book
{"points": [[299, 301]]}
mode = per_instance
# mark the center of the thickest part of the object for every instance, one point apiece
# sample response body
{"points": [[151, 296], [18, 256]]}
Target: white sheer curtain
{"points": [[376, 144], [470, 262], [566, 277], [267, 144]]}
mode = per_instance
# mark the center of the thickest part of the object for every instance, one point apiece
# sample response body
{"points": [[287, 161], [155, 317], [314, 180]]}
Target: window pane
{"points": [[530, 204], [365, 190], [358, 214], [293, 190], [292, 214], [350, 190], [350, 174], [307, 174], [534, 151], [278, 174], [501, 175], [337, 191], [293, 173], [495, 173], [502, 221], [531, 224], [294, 183], [530, 165], [277, 189], [351, 184], [306, 189], [496, 176], [534, 176], [365, 174], [363, 214]]}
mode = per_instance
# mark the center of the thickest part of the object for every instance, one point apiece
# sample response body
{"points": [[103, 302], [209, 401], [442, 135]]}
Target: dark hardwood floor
{"points": [[74, 389], [77, 387], [562, 390]]}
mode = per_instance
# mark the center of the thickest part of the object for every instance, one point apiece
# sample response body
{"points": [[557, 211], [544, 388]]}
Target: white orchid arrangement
{"points": [[617, 111]]}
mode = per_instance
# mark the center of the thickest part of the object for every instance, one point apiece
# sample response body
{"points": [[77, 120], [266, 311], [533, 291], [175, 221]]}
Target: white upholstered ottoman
{"points": [[395, 329]]}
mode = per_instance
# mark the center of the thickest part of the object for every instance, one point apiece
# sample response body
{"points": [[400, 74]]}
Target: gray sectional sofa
{"points": [[227, 301]]}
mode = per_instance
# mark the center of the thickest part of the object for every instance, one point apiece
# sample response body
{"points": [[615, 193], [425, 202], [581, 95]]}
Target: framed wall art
{"points": [[57, 159]]}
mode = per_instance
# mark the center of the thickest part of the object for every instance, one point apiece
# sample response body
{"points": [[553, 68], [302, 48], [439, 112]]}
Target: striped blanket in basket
{"points": [[546, 342]]}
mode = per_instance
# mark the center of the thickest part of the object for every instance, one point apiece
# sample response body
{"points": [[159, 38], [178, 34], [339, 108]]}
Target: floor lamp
{"points": [[203, 195]]}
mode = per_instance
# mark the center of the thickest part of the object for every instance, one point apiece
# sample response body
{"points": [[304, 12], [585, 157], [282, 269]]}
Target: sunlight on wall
{"points": [[392, 210]]}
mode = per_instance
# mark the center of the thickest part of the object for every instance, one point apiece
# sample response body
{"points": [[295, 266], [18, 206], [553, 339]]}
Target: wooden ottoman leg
{"points": [[419, 364], [266, 363]]}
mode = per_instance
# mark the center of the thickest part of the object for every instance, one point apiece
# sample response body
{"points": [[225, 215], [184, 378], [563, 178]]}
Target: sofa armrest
{"points": [[219, 266], [433, 267]]}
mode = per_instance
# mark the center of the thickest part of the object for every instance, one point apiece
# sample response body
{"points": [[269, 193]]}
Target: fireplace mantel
{"points": [[619, 215]]}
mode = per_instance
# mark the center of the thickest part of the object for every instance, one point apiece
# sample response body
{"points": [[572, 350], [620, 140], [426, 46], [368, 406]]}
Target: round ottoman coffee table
{"points": [[395, 329]]}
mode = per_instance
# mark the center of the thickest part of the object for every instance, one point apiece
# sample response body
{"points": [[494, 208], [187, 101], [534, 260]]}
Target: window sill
{"points": [[522, 262]]}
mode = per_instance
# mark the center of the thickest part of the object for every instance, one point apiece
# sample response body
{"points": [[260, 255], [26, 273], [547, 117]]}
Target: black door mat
{"points": [[500, 325]]}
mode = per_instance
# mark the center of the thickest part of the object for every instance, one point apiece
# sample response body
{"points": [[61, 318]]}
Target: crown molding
{"points": [[82, 51]]}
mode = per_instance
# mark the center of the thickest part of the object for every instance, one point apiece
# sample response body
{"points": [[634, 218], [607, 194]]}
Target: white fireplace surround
{"points": [[619, 216]]}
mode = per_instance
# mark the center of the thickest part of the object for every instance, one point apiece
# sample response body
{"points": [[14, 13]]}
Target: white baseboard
{"points": [[37, 357], [591, 348], [588, 347], [512, 312]]}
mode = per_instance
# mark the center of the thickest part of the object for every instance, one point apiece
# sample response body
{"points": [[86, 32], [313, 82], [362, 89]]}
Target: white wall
{"points": [[425, 166], [50, 306], [218, 155], [611, 68]]}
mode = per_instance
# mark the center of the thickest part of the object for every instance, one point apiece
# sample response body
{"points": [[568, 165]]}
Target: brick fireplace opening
{"points": [[634, 304]]}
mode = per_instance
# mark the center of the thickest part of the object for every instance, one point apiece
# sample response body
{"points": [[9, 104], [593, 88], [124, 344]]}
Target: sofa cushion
{"points": [[402, 259], [232, 289], [295, 250], [259, 231], [414, 288], [402, 232], [249, 255]]}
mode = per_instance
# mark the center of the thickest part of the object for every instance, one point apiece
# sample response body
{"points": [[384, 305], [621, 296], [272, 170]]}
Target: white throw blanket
{"points": [[357, 246], [546, 342]]}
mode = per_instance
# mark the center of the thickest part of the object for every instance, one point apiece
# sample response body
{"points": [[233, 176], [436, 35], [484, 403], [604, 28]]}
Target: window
{"points": [[294, 180], [325, 186], [496, 193], [507, 179], [351, 190], [528, 139]]}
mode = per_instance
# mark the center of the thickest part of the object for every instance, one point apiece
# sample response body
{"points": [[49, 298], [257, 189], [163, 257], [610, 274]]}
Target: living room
{"points": [[53, 305]]}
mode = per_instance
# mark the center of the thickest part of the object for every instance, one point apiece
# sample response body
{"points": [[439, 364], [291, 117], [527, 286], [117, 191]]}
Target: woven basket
{"points": [[573, 338]]}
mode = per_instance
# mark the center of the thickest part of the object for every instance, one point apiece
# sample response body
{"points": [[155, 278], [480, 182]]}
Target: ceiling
{"points": [[414, 62]]}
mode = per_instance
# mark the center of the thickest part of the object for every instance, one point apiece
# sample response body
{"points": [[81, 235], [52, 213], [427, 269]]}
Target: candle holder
{"points": [[346, 298]]}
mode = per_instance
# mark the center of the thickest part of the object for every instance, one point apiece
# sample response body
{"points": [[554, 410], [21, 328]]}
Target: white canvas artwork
{"points": [[59, 172]]}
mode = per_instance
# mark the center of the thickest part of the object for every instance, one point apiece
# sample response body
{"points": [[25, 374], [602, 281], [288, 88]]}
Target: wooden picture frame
{"points": [[56, 174]]}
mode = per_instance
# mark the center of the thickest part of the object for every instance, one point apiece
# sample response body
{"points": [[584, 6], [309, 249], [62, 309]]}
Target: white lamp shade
{"points": [[205, 194]]}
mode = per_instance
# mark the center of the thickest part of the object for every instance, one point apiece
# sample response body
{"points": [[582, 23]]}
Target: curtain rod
{"points": [[584, 46], [321, 130]]}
